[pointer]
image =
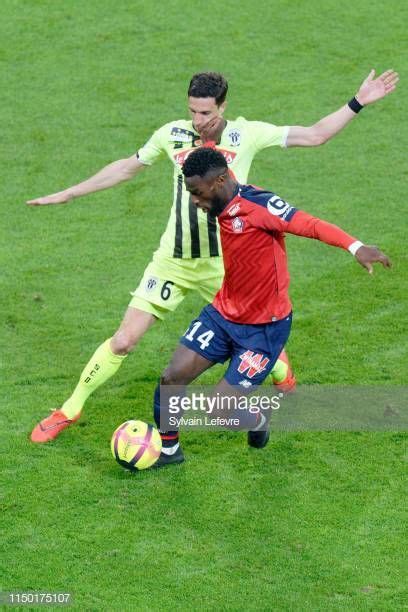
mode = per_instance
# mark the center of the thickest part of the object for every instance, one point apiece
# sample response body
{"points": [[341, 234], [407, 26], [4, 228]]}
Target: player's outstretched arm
{"points": [[280, 215], [371, 90], [112, 174], [367, 255]]}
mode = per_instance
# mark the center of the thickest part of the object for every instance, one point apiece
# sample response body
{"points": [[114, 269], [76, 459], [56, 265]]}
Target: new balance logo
{"points": [[254, 363], [92, 373], [245, 383]]}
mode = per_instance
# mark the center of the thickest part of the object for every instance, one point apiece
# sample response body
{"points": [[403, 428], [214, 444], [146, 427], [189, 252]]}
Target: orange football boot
{"points": [[288, 384], [50, 427]]}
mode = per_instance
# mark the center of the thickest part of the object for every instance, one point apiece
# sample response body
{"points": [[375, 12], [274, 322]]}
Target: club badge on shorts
{"points": [[151, 283]]}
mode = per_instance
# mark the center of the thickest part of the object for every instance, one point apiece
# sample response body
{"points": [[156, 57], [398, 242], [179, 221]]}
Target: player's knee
{"points": [[172, 376], [122, 343]]}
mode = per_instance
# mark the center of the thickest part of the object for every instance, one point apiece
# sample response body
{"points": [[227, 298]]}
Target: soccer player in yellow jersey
{"points": [[189, 255]]}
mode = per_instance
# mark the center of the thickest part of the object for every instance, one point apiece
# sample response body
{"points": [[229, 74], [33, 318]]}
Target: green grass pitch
{"points": [[313, 522]]}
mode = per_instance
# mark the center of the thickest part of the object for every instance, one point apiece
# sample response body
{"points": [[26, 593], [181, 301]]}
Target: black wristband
{"points": [[355, 105]]}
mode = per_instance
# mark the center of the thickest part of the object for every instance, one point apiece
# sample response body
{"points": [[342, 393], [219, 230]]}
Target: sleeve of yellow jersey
{"points": [[154, 147], [265, 135]]}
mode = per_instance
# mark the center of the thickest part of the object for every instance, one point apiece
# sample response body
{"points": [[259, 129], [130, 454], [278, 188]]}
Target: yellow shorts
{"points": [[167, 280]]}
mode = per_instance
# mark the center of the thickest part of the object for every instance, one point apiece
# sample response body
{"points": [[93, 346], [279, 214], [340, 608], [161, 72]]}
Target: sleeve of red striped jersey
{"points": [[303, 224], [284, 218]]}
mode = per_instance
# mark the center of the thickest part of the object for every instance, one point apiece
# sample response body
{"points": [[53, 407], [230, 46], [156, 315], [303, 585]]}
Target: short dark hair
{"points": [[203, 160], [209, 85]]}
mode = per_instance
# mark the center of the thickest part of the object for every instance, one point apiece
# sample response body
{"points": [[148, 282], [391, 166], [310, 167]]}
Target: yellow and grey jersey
{"points": [[191, 233]]}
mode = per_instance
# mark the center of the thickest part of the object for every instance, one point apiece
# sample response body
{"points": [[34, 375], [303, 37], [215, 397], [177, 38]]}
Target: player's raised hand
{"points": [[55, 198], [367, 255], [373, 89], [212, 130]]}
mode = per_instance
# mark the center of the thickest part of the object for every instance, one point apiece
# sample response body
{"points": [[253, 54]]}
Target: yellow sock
{"points": [[279, 371], [102, 365]]}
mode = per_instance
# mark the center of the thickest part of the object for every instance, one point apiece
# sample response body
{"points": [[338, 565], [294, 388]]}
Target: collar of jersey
{"points": [[237, 193]]}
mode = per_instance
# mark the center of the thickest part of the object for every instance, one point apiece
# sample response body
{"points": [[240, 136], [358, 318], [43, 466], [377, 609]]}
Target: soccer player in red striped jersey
{"points": [[249, 319], [189, 257]]}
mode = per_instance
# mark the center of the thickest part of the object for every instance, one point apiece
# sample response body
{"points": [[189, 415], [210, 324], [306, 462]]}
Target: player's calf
{"points": [[185, 365], [170, 439]]}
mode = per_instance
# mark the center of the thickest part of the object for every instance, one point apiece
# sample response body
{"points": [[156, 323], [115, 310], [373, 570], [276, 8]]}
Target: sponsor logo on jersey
{"points": [[237, 225], [252, 363], [278, 207], [179, 135], [151, 283], [229, 155], [180, 158], [234, 137]]}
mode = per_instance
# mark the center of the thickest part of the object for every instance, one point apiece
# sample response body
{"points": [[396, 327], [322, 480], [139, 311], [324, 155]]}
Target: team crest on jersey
{"points": [[234, 137], [252, 364], [237, 225], [234, 209], [151, 283], [180, 158]]}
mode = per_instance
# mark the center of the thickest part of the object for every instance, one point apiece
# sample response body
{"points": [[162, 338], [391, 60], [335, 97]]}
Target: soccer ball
{"points": [[136, 445]]}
